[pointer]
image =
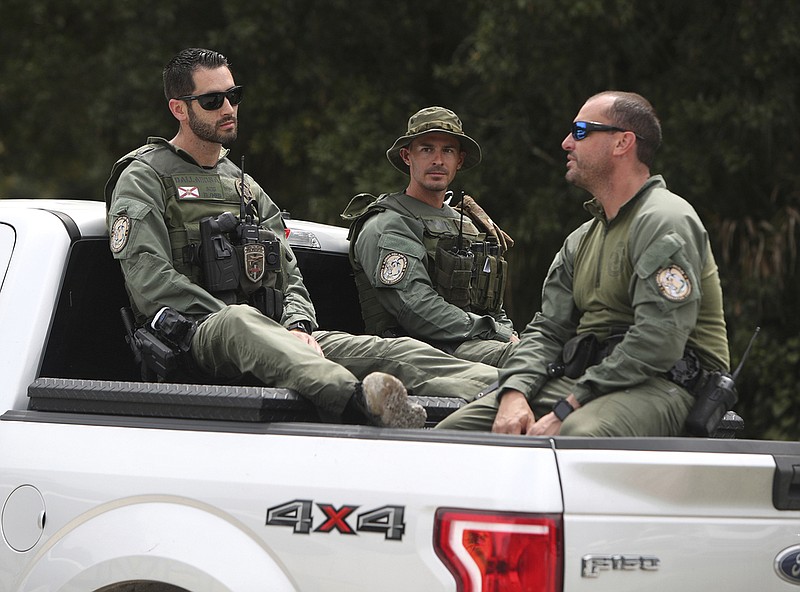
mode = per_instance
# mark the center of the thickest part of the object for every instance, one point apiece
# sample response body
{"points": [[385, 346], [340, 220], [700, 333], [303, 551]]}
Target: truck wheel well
{"points": [[141, 586]]}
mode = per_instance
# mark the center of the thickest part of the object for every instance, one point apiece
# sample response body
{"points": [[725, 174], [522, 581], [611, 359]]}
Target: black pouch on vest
{"points": [[579, 353], [269, 301]]}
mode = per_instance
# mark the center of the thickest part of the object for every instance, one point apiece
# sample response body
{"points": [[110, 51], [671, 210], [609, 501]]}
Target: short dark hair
{"points": [[633, 112], [179, 72]]}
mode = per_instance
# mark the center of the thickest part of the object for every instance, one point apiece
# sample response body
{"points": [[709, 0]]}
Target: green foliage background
{"points": [[331, 84]]}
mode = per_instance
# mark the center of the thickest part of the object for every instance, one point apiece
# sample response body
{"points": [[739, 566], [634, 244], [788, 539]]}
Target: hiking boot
{"points": [[382, 398]]}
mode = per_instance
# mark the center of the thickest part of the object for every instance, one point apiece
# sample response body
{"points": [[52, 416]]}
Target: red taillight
{"points": [[497, 552], [286, 232]]}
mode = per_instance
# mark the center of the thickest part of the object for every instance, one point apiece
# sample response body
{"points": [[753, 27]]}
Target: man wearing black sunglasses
{"points": [[196, 236], [631, 323]]}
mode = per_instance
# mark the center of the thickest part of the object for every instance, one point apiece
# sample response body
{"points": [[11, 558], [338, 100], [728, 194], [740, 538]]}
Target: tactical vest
{"points": [[192, 194], [465, 269]]}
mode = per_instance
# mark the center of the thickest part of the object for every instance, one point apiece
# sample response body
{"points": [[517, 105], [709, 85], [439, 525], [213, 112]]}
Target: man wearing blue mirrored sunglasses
{"points": [[631, 323]]}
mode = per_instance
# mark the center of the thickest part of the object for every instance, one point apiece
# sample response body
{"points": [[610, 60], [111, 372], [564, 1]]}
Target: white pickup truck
{"points": [[112, 484]]}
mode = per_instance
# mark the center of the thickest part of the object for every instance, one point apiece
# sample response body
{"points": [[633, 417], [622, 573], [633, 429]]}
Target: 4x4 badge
{"points": [[298, 515]]}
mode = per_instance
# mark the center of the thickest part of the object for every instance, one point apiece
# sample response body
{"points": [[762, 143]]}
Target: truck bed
{"points": [[110, 482]]}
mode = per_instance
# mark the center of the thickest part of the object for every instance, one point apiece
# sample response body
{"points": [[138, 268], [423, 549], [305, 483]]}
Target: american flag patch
{"points": [[188, 193]]}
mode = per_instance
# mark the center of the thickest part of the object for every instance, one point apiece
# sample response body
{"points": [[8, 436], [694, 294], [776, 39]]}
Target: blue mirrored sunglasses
{"points": [[581, 129]]}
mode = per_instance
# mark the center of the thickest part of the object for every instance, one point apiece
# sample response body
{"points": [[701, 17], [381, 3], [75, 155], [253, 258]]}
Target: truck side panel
{"points": [[706, 517], [330, 507]]}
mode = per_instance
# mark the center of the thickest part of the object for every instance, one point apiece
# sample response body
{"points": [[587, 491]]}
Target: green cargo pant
{"points": [[656, 407], [239, 339], [487, 351]]}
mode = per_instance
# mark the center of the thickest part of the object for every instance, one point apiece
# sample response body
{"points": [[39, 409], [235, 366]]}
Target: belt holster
{"points": [[269, 301], [162, 346], [687, 372], [579, 353], [584, 351]]}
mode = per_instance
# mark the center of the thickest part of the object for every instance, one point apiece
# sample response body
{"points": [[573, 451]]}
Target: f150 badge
{"points": [[787, 564], [298, 515], [592, 565]]}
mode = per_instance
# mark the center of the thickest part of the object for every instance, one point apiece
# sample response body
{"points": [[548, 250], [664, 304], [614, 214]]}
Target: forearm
{"points": [[425, 315], [504, 322], [544, 337], [540, 344]]}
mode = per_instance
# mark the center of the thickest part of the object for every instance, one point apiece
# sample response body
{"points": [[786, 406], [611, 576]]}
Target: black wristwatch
{"points": [[562, 409], [304, 326]]}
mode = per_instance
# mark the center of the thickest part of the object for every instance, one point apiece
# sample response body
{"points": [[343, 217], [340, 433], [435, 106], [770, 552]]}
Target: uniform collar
{"points": [[419, 208], [223, 152], [596, 210]]}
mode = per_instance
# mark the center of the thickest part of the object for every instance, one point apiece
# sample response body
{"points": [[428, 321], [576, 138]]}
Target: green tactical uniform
{"points": [[650, 272], [156, 197], [429, 273]]}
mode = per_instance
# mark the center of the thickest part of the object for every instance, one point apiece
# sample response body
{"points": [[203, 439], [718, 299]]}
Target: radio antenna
{"points": [[745, 354]]}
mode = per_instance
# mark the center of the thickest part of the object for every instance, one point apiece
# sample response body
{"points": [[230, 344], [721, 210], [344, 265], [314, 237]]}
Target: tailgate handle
{"points": [[786, 483]]}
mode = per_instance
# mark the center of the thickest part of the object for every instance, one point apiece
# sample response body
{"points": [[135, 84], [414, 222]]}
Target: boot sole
{"points": [[387, 400]]}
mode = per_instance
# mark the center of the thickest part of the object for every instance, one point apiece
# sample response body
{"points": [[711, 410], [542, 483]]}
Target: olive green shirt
{"points": [[146, 254], [413, 300], [651, 271]]}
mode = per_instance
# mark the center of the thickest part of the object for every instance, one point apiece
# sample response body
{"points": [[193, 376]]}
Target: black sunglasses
{"points": [[213, 101], [581, 129]]}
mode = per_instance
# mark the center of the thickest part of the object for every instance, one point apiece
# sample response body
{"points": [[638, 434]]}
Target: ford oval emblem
{"points": [[787, 564]]}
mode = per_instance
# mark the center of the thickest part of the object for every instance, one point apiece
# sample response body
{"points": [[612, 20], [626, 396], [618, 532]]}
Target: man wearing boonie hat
{"points": [[243, 316], [426, 269]]}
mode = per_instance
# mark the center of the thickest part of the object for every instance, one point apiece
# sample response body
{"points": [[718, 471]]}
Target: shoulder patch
{"points": [[120, 230], [393, 268], [673, 283]]}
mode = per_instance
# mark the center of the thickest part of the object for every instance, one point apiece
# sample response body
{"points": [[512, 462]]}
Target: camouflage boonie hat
{"points": [[434, 119]]}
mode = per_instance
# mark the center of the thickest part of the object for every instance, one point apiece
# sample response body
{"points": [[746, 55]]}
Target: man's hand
{"points": [[514, 415], [309, 339], [550, 425], [514, 338]]}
